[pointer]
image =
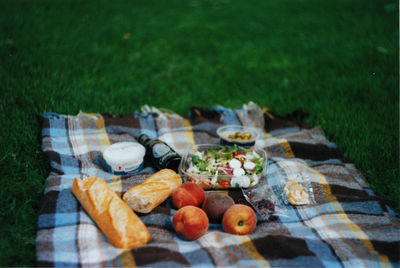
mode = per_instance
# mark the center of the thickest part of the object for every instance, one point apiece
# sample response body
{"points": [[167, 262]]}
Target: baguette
{"points": [[153, 191], [117, 221]]}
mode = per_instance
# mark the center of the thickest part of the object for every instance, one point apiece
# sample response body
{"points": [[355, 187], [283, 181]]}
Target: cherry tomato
{"points": [[238, 154], [224, 184]]}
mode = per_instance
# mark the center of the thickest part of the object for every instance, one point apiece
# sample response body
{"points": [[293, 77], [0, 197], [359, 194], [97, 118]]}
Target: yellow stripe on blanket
{"points": [[101, 132], [277, 147], [127, 258], [251, 250], [188, 131], [230, 249], [287, 150], [350, 226]]}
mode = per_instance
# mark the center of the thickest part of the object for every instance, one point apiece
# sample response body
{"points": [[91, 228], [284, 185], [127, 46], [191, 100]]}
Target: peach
{"points": [[215, 206], [190, 222], [239, 219], [188, 194]]}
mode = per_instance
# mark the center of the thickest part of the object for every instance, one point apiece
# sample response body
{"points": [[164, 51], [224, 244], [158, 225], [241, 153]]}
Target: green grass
{"points": [[337, 60]]}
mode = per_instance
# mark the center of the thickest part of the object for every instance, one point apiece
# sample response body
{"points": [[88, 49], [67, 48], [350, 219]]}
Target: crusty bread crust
{"points": [[153, 191], [114, 217]]}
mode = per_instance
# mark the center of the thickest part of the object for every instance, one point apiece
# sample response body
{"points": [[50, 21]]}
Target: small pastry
{"points": [[296, 194]]}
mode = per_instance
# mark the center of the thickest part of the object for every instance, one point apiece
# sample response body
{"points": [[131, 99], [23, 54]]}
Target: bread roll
{"points": [[153, 191], [117, 221]]}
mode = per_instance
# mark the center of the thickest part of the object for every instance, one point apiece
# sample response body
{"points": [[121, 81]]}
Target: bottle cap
{"points": [[124, 158]]}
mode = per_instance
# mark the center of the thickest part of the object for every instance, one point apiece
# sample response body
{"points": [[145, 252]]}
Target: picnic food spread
{"points": [[125, 229], [344, 224], [190, 222]]}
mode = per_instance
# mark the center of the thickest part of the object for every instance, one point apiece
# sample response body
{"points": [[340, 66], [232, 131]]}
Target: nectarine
{"points": [[215, 206], [188, 194], [190, 222], [239, 219]]}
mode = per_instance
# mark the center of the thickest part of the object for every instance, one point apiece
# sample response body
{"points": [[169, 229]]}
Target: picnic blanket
{"points": [[345, 225]]}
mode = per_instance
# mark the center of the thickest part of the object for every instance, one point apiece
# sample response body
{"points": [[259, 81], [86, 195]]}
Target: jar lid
{"points": [[124, 156]]}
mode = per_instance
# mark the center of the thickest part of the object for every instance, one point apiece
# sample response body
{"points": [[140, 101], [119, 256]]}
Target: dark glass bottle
{"points": [[160, 154]]}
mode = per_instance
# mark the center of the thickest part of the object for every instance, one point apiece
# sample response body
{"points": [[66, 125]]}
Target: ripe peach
{"points": [[190, 222], [239, 219], [215, 206], [188, 194]]}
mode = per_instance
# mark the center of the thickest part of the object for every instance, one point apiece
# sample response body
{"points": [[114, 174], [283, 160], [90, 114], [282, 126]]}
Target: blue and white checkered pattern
{"points": [[345, 224]]}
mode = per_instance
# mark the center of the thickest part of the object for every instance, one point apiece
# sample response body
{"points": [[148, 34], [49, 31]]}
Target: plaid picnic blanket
{"points": [[346, 225]]}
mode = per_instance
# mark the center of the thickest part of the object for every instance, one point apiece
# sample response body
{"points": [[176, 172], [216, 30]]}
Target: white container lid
{"points": [[124, 156]]}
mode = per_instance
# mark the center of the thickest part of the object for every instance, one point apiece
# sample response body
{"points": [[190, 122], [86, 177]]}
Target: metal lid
{"points": [[124, 156]]}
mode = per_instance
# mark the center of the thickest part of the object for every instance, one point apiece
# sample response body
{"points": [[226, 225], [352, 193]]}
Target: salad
{"points": [[228, 166]]}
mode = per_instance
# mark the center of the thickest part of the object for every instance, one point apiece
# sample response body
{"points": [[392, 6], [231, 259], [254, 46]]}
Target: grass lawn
{"points": [[337, 60]]}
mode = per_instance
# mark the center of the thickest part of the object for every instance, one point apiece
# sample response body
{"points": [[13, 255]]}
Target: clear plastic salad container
{"points": [[215, 166]]}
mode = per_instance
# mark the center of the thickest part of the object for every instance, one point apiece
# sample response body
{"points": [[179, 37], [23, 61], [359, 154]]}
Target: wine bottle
{"points": [[159, 153]]}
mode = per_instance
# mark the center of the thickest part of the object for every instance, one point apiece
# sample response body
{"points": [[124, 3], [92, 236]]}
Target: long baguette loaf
{"points": [[153, 191], [118, 222]]}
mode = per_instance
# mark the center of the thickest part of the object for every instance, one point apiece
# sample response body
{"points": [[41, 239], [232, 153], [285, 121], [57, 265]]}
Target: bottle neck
{"points": [[173, 163]]}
